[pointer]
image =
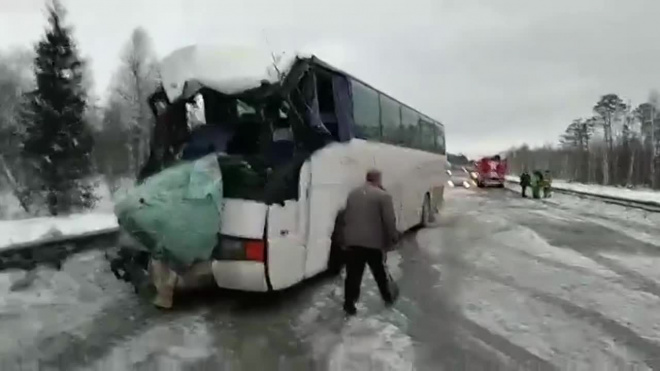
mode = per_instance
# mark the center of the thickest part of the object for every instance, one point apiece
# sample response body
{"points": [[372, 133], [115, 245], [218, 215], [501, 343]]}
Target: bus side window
{"points": [[409, 128], [427, 135], [366, 112], [440, 140], [390, 119]]}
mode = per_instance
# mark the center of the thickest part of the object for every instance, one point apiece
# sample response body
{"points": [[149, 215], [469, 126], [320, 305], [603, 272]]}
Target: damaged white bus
{"points": [[291, 138]]}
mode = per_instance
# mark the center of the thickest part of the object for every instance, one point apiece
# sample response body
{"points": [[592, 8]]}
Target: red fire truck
{"points": [[490, 171]]}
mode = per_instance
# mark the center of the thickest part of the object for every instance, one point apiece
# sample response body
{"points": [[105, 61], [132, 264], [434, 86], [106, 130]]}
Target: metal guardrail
{"points": [[53, 251], [637, 204]]}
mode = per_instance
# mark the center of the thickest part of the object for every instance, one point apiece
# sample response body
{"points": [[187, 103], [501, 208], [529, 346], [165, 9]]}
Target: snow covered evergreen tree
{"points": [[58, 141]]}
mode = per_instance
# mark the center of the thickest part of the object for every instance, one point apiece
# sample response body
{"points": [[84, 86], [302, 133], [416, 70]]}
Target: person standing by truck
{"points": [[547, 184], [525, 182]]}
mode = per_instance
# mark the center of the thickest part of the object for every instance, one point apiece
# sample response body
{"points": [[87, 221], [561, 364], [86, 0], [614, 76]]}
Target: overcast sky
{"points": [[496, 72]]}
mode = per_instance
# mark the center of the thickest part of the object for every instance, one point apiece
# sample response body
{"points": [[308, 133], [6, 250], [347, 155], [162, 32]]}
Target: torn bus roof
{"points": [[233, 70], [228, 70]]}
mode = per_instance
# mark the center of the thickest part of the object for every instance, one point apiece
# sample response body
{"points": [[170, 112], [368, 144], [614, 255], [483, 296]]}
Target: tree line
{"points": [[617, 145], [56, 136]]}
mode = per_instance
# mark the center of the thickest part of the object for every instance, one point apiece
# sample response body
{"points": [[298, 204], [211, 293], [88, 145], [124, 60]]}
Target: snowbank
{"points": [[17, 227], [598, 190], [34, 229]]}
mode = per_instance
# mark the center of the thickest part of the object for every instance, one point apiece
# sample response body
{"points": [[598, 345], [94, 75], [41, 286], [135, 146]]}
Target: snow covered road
{"points": [[499, 282]]}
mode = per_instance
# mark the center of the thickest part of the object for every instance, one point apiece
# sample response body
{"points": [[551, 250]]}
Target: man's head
{"points": [[375, 177]]}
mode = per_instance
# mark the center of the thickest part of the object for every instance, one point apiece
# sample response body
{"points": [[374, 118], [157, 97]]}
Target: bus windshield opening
{"points": [[253, 139]]}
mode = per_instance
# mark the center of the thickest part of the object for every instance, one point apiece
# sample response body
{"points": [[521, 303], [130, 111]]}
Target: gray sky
{"points": [[496, 72]]}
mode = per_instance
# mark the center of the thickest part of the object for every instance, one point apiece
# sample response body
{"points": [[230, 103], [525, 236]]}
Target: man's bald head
{"points": [[374, 176]]}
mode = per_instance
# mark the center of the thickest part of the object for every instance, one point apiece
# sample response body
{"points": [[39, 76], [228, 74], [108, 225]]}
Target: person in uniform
{"points": [[525, 182], [547, 184]]}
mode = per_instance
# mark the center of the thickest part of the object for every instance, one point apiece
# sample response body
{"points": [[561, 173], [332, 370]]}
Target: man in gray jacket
{"points": [[369, 232]]}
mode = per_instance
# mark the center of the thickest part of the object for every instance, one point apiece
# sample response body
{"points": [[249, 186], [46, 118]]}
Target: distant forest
{"points": [[617, 145]]}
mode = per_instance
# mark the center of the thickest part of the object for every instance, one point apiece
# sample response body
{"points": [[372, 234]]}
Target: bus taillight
{"points": [[255, 250], [232, 248]]}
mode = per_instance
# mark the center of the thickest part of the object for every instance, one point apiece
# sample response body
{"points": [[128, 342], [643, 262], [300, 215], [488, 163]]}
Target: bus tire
{"points": [[427, 212]]}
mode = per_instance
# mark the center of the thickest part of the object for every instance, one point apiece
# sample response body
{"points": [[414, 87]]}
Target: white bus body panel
{"points": [[335, 171], [287, 227], [243, 218], [239, 275], [408, 175], [286, 244]]}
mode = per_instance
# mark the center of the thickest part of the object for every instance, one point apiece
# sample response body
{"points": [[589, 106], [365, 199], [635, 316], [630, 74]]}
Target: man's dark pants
{"points": [[356, 259], [524, 190]]}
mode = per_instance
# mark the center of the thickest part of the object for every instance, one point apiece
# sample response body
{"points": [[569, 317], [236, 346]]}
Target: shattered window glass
{"points": [[244, 108], [195, 112]]}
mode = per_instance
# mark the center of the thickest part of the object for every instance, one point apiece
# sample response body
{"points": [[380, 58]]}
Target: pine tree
{"points": [[58, 141]]}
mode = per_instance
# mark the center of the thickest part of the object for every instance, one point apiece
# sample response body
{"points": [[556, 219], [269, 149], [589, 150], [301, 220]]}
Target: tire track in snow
{"points": [[553, 333], [176, 345], [628, 306], [436, 312], [490, 219], [539, 282], [617, 330], [600, 241], [374, 339]]}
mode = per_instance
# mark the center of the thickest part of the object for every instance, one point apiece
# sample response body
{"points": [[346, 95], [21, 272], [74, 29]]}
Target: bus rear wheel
{"points": [[428, 216]]}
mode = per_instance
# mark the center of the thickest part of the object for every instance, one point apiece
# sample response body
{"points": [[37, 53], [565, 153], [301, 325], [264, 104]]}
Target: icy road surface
{"points": [[500, 282]]}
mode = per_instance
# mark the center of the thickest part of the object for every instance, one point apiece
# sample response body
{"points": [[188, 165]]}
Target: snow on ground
{"points": [[172, 346], [538, 247], [584, 288], [645, 265], [617, 192], [371, 344], [549, 333], [45, 303], [375, 339], [565, 304], [635, 223]]}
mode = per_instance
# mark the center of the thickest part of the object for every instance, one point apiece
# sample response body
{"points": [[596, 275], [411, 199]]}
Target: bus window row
{"points": [[378, 117]]}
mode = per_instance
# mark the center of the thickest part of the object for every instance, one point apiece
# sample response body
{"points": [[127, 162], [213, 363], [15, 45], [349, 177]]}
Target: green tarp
{"points": [[176, 214]]}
